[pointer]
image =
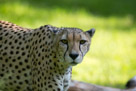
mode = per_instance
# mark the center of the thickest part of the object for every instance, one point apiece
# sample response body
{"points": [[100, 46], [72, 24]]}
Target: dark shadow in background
{"points": [[98, 7], [104, 8]]}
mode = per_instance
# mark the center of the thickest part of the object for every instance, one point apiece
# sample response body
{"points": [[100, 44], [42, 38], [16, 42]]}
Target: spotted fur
{"points": [[40, 59]]}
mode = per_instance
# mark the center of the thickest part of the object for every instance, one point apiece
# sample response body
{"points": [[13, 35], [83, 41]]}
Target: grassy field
{"points": [[111, 60]]}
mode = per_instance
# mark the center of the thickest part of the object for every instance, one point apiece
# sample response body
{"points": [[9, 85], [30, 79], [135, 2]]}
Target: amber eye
{"points": [[64, 41], [82, 41]]}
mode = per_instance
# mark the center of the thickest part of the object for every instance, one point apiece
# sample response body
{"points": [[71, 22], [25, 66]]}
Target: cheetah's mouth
{"points": [[73, 63]]}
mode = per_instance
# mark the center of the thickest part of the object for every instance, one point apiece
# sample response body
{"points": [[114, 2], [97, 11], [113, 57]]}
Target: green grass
{"points": [[111, 60]]}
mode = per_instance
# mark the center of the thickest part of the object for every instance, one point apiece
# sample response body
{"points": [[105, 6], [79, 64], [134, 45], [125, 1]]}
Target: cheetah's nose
{"points": [[73, 55]]}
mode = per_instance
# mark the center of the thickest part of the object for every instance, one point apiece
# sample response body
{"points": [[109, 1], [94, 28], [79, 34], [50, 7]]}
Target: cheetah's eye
{"points": [[64, 41], [82, 41]]}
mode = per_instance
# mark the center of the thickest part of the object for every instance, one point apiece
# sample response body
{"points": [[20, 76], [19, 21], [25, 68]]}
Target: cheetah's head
{"points": [[72, 44]]}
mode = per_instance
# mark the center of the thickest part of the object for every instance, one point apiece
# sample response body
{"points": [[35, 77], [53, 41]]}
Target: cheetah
{"points": [[40, 59]]}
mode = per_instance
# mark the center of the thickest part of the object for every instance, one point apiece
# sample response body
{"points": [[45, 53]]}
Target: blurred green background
{"points": [[112, 58]]}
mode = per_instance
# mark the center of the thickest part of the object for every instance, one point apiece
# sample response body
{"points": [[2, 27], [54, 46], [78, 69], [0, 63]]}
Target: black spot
{"points": [[29, 89], [0, 38], [42, 50], [19, 58], [15, 32], [45, 89], [11, 83], [54, 64], [17, 52], [45, 83], [20, 83], [14, 60], [10, 65], [1, 58], [15, 81], [28, 67], [45, 50], [65, 85], [5, 26], [49, 78], [46, 42], [50, 61], [38, 79], [50, 86], [10, 77], [58, 89], [26, 60], [1, 75], [39, 54], [19, 71], [18, 87], [41, 27], [27, 46], [22, 49], [38, 86], [20, 43], [49, 36], [26, 81], [41, 84], [10, 43], [40, 46], [6, 60], [6, 34], [37, 33], [18, 34], [5, 41], [16, 66], [39, 63], [39, 72], [28, 56], [18, 77], [43, 38], [18, 47], [23, 39], [23, 53], [3, 65], [16, 41], [11, 52], [20, 37], [20, 63], [4, 53], [36, 42], [25, 75], [12, 47], [10, 37], [39, 36], [23, 69]]}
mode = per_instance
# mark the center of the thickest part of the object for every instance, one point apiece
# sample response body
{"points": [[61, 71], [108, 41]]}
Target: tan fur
{"points": [[38, 59]]}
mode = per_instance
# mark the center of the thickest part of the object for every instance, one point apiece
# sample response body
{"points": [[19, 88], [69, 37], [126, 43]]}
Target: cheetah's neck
{"points": [[47, 68]]}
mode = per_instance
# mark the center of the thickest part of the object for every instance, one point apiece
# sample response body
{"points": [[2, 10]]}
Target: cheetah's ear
{"points": [[91, 32], [55, 30]]}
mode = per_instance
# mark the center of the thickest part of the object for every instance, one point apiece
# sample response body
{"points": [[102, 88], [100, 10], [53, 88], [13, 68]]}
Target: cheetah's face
{"points": [[73, 45]]}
